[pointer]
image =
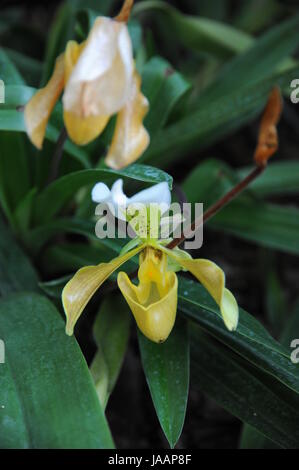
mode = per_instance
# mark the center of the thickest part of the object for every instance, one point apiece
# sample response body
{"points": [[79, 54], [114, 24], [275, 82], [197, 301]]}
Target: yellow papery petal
{"points": [[83, 130], [79, 290], [157, 319], [213, 279], [39, 108], [100, 82], [130, 138], [71, 56]]}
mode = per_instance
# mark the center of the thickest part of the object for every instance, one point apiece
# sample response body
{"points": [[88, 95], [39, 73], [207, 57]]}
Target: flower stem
{"points": [[55, 164], [218, 205], [234, 192], [125, 12]]}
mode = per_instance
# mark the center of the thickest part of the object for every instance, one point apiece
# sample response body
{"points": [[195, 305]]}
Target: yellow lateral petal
{"points": [[79, 290], [72, 53], [83, 130], [130, 138], [213, 279], [229, 310], [157, 319], [39, 108]]}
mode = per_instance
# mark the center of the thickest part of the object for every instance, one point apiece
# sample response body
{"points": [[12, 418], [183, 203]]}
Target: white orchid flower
{"points": [[157, 194]]}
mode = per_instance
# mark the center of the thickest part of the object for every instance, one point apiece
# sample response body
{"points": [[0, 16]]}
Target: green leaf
{"points": [[251, 359], [250, 341], [54, 288], [201, 34], [280, 178], [234, 99], [17, 95], [291, 327], [251, 438], [100, 7], [209, 181], [38, 236], [256, 64], [268, 225], [61, 31], [28, 67], [69, 257], [275, 302], [211, 178], [14, 171], [257, 14], [9, 73], [13, 120], [219, 9], [166, 367], [163, 87], [216, 118], [111, 332], [243, 390], [23, 213], [47, 396], [73, 256], [16, 271], [54, 197], [248, 217]]}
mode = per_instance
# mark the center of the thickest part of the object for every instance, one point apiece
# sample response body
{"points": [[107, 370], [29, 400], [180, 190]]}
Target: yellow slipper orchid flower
{"points": [[153, 301], [99, 80]]}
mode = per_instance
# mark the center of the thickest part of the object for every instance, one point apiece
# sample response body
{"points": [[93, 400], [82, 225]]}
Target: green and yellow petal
{"points": [[213, 279], [79, 290]]}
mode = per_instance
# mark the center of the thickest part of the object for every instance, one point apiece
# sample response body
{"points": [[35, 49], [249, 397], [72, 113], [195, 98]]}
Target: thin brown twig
{"points": [[55, 164], [226, 199], [234, 192], [125, 12]]}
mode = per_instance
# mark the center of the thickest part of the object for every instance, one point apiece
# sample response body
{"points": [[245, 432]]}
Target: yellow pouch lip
{"points": [[157, 319]]}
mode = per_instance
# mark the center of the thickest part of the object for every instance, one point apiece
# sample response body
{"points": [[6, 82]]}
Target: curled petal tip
{"points": [[268, 136], [213, 279], [229, 310], [69, 330]]}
